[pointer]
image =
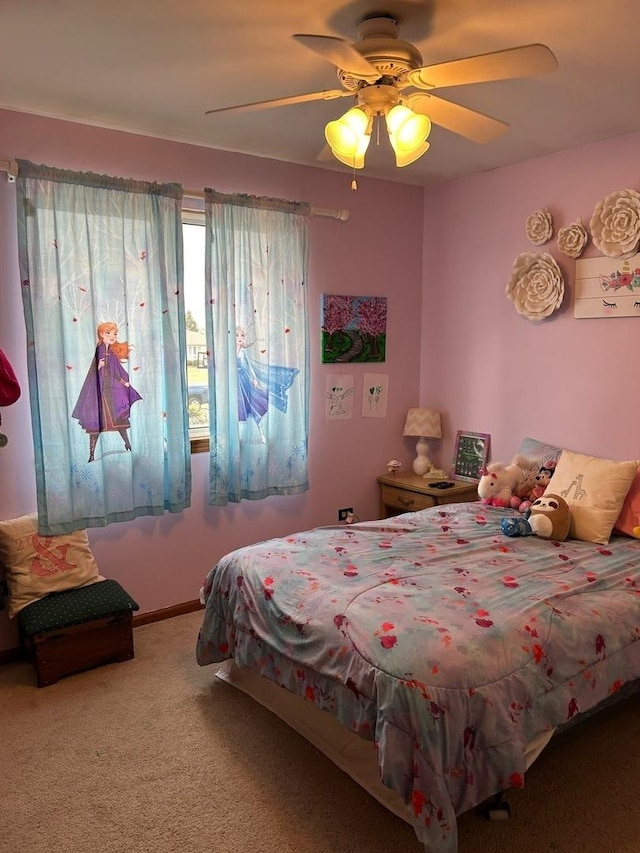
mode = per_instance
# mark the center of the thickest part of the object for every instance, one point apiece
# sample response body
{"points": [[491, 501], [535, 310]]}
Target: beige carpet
{"points": [[156, 755]]}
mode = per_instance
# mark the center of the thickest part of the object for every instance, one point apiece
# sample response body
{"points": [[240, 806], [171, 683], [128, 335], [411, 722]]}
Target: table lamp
{"points": [[425, 423]]}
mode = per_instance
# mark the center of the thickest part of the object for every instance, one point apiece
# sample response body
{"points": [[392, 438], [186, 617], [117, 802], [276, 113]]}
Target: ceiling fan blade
{"points": [[342, 54], [461, 120], [327, 95], [525, 61]]}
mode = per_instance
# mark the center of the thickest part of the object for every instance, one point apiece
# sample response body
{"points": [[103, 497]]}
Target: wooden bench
{"points": [[68, 632]]}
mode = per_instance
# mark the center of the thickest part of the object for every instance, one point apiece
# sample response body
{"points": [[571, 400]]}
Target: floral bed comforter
{"points": [[448, 644]]}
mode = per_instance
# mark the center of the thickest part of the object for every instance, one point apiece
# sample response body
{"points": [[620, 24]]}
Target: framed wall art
{"points": [[607, 287], [354, 328], [470, 455]]}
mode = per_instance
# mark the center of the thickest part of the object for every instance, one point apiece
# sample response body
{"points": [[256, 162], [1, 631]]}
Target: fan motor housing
{"points": [[379, 45], [379, 98], [390, 56]]}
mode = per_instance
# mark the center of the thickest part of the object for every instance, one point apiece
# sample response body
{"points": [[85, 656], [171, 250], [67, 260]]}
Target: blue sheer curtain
{"points": [[256, 261], [101, 273]]}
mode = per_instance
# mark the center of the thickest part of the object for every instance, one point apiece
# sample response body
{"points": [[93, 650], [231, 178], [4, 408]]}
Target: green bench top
{"points": [[74, 607]]}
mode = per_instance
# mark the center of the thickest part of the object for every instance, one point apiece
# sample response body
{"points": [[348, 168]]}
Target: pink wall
{"points": [[162, 561], [569, 382], [566, 381]]}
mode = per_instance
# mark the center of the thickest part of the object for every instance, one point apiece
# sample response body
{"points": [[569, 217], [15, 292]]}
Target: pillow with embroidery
{"points": [[595, 490], [36, 565]]}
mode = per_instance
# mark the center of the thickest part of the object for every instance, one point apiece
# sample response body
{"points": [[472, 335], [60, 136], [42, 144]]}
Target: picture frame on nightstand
{"points": [[470, 455]]}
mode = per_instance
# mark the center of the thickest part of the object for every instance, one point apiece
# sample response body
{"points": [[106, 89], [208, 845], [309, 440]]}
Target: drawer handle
{"points": [[405, 501]]}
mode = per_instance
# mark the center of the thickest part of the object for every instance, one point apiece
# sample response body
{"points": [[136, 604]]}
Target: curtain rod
{"points": [[11, 168], [342, 215]]}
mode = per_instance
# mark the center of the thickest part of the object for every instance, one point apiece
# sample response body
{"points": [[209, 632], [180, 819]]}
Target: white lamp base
{"points": [[422, 464]]}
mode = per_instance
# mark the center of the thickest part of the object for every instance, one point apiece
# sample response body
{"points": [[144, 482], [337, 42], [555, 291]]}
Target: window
{"points": [[197, 362]]}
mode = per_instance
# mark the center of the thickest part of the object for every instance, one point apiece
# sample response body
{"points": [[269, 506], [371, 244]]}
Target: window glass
{"points": [[197, 367]]}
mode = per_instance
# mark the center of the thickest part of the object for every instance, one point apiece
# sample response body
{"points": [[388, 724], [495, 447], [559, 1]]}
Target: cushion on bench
{"points": [[60, 610], [37, 565]]}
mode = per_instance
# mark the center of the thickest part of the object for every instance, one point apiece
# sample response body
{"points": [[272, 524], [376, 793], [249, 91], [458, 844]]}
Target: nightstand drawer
{"points": [[404, 500]]}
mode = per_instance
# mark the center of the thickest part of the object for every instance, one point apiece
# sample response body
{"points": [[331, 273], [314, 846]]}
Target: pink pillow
{"points": [[630, 513]]}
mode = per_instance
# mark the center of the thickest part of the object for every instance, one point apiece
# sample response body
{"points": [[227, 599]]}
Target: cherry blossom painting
{"points": [[354, 328]]}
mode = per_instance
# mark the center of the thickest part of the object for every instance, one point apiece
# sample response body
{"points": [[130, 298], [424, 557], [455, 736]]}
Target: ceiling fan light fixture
{"points": [[349, 137], [408, 132], [405, 158]]}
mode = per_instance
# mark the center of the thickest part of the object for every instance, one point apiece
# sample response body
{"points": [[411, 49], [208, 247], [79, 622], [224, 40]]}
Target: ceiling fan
{"points": [[380, 70]]}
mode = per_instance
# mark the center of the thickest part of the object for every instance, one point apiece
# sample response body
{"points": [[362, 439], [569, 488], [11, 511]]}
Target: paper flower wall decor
{"points": [[539, 227], [615, 224], [536, 286], [572, 239]]}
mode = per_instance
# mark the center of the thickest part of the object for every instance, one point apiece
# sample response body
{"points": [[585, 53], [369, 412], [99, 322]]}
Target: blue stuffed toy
{"points": [[516, 526]]}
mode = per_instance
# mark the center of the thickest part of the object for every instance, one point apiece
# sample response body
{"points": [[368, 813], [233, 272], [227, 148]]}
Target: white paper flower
{"points": [[572, 239], [539, 227], [536, 286], [615, 224]]}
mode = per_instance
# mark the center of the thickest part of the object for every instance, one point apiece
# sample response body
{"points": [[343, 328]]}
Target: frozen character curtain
{"points": [[257, 335], [101, 272]]}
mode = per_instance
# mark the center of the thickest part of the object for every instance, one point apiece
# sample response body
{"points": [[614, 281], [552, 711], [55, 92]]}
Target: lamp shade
{"points": [[348, 137], [423, 422], [408, 132]]}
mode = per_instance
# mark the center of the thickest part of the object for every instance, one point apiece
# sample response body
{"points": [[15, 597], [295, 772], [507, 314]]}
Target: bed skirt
{"points": [[351, 753]]}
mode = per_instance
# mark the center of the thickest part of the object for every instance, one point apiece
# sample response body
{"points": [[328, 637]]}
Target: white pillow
{"points": [[595, 490]]}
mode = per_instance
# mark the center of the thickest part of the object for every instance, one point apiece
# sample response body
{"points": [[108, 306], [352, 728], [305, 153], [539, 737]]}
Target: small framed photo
{"points": [[470, 455]]}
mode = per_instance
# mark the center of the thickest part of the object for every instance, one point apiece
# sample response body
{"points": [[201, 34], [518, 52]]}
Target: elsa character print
{"points": [[105, 399], [260, 385]]}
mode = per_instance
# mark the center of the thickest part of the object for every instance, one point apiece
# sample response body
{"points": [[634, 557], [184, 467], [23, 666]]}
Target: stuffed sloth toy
{"points": [[548, 518]]}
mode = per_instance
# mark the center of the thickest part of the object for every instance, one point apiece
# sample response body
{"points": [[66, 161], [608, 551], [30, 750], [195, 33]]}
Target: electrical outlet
{"points": [[344, 513]]}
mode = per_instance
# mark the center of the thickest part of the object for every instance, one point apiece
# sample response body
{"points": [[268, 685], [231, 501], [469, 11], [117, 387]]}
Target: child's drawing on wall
{"points": [[339, 398], [375, 391]]}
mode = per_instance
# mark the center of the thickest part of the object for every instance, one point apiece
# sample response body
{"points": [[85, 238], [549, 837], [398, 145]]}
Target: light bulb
{"points": [[348, 137], [408, 132]]}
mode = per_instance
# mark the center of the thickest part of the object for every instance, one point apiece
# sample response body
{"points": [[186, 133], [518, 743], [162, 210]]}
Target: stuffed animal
{"points": [[548, 518], [516, 526], [499, 483], [542, 480]]}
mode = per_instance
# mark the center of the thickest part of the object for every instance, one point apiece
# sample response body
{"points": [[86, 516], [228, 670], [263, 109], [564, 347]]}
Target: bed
{"points": [[448, 650]]}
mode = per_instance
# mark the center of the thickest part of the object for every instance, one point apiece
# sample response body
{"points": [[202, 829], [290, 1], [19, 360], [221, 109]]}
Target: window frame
{"points": [[198, 436]]}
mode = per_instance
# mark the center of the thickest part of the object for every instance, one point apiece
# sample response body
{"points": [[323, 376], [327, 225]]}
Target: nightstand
{"points": [[410, 492]]}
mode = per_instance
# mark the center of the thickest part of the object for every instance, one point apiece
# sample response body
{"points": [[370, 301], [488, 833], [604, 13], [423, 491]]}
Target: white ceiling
{"points": [[155, 66]]}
